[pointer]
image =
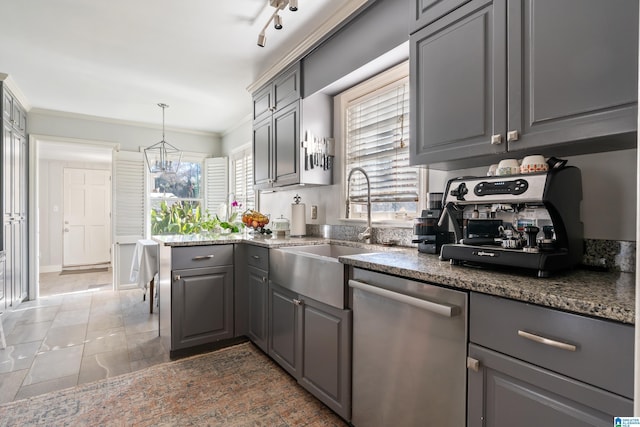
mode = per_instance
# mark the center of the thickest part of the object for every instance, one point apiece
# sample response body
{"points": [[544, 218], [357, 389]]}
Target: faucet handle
{"points": [[366, 234]]}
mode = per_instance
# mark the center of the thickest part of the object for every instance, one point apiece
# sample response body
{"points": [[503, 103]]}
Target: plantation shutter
{"points": [[378, 142], [129, 214], [216, 183], [242, 166], [129, 195]]}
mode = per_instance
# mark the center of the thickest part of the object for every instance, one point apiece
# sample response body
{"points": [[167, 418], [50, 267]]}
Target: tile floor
{"points": [[78, 331]]}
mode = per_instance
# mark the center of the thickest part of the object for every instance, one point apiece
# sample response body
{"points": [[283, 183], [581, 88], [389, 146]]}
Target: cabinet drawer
{"points": [[594, 351], [201, 256], [258, 257]]}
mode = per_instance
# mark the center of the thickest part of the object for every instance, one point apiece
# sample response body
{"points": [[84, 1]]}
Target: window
{"points": [[375, 128], [183, 188], [242, 179]]}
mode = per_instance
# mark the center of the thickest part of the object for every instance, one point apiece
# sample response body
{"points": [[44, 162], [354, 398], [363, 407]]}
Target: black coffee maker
{"points": [[428, 235]]}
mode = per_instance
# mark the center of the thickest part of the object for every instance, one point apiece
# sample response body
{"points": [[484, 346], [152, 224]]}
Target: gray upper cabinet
{"points": [[279, 93], [276, 131], [524, 76], [457, 88], [424, 12]]}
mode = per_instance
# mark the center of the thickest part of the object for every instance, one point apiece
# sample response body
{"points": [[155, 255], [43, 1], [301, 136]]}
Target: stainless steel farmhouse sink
{"points": [[313, 270]]}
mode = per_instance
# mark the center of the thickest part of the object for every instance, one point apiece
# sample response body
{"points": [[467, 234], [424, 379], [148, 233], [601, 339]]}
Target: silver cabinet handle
{"points": [[496, 139], [546, 341], [264, 279], [513, 135], [298, 301], [255, 257], [202, 257], [473, 364], [177, 277], [434, 307]]}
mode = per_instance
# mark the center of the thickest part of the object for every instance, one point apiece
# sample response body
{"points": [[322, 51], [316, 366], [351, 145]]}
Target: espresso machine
{"points": [[527, 221]]}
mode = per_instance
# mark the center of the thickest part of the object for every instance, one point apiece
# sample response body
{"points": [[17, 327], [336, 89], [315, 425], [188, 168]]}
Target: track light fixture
{"points": [[275, 17]]}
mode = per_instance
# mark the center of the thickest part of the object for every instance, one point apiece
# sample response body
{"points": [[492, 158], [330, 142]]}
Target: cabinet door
{"points": [[286, 87], [505, 389], [426, 11], [284, 327], [201, 306], [568, 79], [258, 286], [7, 104], [326, 355], [3, 292], [7, 169], [262, 156], [458, 85], [286, 139], [262, 103]]}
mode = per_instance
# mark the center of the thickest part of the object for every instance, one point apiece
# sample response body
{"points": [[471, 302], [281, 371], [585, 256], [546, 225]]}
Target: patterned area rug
{"points": [[235, 386]]}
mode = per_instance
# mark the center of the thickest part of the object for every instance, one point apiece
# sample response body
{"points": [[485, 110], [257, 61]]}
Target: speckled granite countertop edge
{"points": [[600, 294]]}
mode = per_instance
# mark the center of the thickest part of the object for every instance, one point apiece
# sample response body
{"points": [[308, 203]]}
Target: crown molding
{"points": [[15, 90], [79, 116], [345, 11]]}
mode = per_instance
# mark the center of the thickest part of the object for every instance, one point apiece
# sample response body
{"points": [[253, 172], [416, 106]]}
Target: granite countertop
{"points": [[608, 295]]}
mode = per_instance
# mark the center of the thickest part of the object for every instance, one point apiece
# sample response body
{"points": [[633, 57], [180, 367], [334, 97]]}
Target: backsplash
{"points": [[607, 254]]}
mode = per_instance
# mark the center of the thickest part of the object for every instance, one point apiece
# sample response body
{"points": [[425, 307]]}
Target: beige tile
{"points": [[145, 345], [101, 322], [28, 333], [46, 386], [17, 357], [64, 336], [71, 317], [105, 341], [55, 364], [11, 382], [38, 314], [104, 365]]}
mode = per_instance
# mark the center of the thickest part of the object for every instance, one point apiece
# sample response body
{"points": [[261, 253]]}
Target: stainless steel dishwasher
{"points": [[409, 352]]}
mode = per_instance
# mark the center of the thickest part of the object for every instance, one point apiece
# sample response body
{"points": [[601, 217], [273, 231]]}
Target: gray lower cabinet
{"points": [[258, 294], [196, 295], [495, 77], [312, 341], [540, 366]]}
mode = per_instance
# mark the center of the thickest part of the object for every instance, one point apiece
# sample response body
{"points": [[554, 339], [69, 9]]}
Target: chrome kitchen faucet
{"points": [[366, 234]]}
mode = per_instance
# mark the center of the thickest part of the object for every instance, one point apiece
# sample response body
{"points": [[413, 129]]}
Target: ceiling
{"points": [[119, 58]]}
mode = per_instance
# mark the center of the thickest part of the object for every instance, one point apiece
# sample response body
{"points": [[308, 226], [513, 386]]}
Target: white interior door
{"points": [[87, 211]]}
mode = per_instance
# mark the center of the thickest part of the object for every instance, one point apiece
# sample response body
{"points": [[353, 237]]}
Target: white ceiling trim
{"points": [[79, 116], [349, 8], [15, 90]]}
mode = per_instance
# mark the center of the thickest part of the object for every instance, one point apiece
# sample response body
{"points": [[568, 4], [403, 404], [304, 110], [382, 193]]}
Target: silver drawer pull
{"points": [[546, 341], [201, 257], [255, 257]]}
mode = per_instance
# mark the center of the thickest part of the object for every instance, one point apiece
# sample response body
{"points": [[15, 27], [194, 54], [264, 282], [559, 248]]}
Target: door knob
{"points": [[496, 139], [66, 230], [513, 136], [177, 277], [473, 364]]}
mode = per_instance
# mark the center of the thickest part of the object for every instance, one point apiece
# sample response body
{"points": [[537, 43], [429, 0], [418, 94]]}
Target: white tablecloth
{"points": [[145, 264]]}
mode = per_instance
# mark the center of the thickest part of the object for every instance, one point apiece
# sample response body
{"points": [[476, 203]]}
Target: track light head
{"points": [[277, 22], [293, 5], [262, 38]]}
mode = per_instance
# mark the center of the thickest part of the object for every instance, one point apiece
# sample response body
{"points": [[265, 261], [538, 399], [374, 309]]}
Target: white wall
{"points": [[51, 208], [130, 136]]}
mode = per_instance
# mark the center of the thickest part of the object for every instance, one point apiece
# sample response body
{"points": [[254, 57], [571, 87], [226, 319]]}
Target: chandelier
{"points": [[162, 157], [275, 17]]}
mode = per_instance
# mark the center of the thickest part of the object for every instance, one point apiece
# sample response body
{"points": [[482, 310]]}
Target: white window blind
{"points": [[129, 195], [242, 179], [216, 179], [377, 140]]}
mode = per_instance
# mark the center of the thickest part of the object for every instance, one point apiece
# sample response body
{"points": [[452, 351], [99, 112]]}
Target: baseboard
{"points": [[50, 268]]}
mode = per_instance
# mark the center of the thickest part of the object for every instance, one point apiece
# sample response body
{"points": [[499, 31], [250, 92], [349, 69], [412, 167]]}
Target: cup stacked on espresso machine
{"points": [[428, 236]]}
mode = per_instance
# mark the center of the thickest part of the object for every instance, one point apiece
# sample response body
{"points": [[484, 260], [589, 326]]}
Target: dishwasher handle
{"points": [[441, 309]]}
